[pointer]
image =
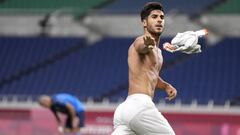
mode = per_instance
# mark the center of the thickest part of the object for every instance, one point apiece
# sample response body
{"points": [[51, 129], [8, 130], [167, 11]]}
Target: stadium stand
{"points": [[100, 71], [80, 48], [46, 6], [228, 7], [119, 6], [45, 65]]}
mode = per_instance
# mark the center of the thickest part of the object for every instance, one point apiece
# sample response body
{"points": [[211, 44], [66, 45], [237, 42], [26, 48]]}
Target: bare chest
{"points": [[156, 59]]}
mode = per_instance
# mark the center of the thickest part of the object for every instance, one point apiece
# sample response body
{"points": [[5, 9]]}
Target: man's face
{"points": [[154, 23]]}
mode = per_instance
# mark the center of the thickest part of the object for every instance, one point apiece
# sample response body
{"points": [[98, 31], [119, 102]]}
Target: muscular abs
{"points": [[144, 70]]}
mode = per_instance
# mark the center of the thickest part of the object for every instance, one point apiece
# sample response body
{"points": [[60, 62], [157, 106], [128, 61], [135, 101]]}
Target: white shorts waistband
{"points": [[140, 96]]}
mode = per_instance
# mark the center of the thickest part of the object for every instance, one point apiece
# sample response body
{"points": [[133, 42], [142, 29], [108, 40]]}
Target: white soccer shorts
{"points": [[137, 115]]}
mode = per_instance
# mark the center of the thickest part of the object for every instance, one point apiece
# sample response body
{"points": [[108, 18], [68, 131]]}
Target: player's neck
{"points": [[157, 39]]}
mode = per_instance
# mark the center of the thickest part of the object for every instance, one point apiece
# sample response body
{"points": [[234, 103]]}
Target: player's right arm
{"points": [[57, 117], [144, 44], [59, 123]]}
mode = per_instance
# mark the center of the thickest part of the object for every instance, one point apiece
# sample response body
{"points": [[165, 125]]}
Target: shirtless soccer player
{"points": [[137, 115]]}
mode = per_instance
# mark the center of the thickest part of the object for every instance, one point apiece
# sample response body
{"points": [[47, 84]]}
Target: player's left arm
{"points": [[170, 90], [71, 110], [56, 115], [60, 127]]}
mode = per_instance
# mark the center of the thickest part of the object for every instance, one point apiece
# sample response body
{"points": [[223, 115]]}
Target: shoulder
{"points": [[139, 41]]}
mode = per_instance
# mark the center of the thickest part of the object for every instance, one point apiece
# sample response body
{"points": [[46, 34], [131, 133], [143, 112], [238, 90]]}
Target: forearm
{"points": [[144, 45], [168, 88], [143, 49], [57, 118]]}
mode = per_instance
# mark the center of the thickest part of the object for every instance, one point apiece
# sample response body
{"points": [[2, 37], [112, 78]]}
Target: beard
{"points": [[153, 31]]}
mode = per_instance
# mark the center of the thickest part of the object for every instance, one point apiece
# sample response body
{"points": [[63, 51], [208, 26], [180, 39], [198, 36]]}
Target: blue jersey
{"points": [[61, 100]]}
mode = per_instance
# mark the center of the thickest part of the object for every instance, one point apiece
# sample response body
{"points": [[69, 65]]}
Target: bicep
{"points": [[70, 108], [138, 47]]}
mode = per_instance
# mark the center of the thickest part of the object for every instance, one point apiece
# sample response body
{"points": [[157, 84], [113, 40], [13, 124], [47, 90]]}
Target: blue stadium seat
{"points": [[101, 70]]}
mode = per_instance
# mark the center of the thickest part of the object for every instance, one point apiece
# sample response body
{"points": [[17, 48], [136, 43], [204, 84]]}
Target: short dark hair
{"points": [[149, 7]]}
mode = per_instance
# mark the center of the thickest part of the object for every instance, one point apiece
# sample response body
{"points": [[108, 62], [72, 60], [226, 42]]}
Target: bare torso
{"points": [[143, 70]]}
